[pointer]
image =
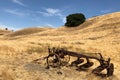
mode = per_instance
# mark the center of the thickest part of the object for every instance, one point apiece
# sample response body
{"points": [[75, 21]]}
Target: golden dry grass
{"points": [[28, 31], [3, 32], [100, 34]]}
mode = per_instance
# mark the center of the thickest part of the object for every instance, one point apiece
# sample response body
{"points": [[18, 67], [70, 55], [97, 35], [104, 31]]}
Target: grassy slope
{"points": [[99, 34], [3, 32], [28, 31]]}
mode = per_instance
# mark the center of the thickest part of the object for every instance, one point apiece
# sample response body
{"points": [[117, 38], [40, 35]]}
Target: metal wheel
{"points": [[53, 61], [65, 60]]}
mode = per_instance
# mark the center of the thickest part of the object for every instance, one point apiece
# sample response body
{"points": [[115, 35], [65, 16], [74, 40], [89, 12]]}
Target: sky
{"points": [[18, 14]]}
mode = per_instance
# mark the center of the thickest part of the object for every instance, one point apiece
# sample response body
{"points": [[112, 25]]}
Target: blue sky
{"points": [[17, 14]]}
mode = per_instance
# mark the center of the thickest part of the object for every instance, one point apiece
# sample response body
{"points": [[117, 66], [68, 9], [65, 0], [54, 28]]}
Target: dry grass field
{"points": [[97, 34]]}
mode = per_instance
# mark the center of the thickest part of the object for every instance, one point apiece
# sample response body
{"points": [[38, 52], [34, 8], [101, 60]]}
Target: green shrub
{"points": [[74, 20]]}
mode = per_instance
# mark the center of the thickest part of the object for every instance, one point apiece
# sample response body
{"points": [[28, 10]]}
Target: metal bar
{"points": [[74, 54]]}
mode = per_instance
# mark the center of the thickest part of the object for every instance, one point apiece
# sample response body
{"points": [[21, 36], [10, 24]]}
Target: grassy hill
{"points": [[28, 31], [3, 32], [97, 34]]}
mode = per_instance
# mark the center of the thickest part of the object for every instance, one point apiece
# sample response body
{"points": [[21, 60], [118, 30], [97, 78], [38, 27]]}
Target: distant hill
{"points": [[3, 32], [107, 22], [28, 31]]}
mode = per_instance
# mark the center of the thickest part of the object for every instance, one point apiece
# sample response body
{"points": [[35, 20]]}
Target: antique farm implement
{"points": [[60, 57]]}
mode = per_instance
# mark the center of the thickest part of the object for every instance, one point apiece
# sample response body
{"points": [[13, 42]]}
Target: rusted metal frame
{"points": [[80, 55]]}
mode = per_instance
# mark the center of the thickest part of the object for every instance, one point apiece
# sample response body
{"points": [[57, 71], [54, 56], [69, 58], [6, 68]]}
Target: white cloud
{"points": [[3, 26], [53, 12], [50, 12], [16, 12], [44, 13], [64, 19], [49, 25], [18, 2], [105, 11]]}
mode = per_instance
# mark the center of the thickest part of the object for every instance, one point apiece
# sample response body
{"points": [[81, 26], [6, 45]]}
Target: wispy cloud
{"points": [[49, 25], [16, 12], [52, 11], [3, 26], [49, 12], [63, 19], [19, 2], [105, 11]]}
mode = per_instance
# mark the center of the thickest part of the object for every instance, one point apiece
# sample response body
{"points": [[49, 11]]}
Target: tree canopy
{"points": [[74, 20]]}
